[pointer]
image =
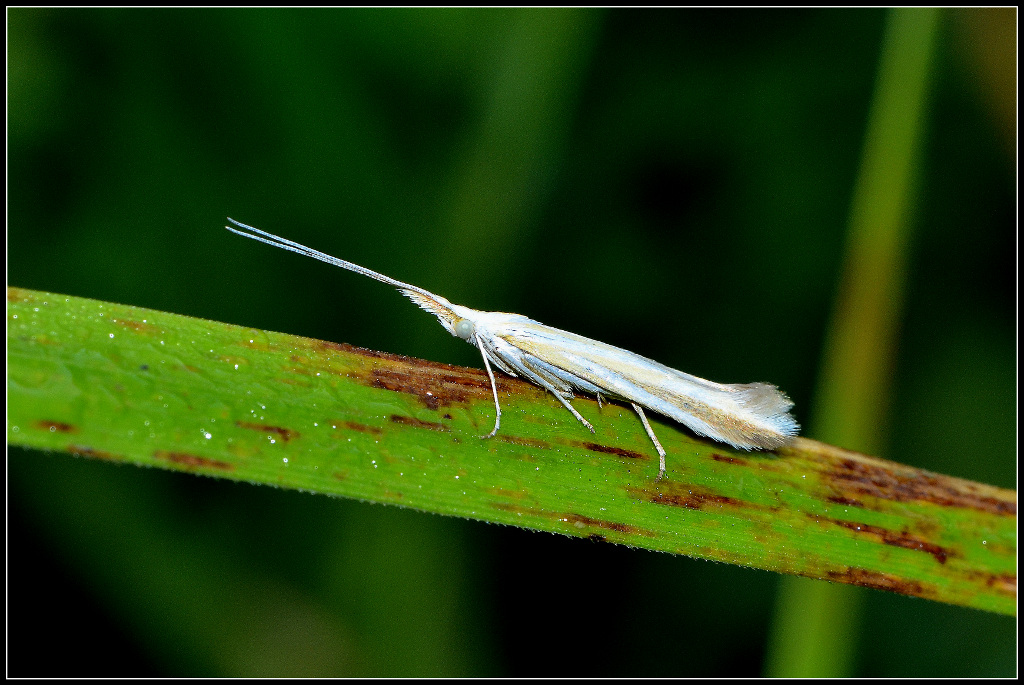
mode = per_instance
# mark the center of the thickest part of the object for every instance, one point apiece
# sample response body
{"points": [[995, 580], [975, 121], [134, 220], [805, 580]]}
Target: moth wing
{"points": [[750, 415]]}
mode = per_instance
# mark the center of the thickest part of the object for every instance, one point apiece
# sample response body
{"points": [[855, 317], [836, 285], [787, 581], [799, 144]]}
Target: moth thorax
{"points": [[464, 328]]}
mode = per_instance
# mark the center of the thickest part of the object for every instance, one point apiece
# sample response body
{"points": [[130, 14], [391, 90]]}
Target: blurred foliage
{"points": [[618, 174]]}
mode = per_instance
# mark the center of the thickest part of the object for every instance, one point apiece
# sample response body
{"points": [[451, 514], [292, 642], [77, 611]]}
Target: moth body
{"points": [[746, 416]]}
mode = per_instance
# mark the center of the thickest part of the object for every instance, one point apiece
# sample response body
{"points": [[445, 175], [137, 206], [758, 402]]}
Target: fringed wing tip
{"points": [[763, 398], [773, 406]]}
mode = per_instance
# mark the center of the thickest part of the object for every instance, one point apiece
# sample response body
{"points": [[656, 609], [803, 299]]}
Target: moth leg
{"points": [[599, 405], [494, 389], [550, 388], [650, 432]]}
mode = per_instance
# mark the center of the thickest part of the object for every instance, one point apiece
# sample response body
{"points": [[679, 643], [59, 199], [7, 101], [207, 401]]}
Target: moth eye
{"points": [[464, 329]]}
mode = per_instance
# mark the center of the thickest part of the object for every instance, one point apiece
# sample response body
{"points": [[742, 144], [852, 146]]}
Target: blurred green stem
{"points": [[528, 97], [815, 628]]}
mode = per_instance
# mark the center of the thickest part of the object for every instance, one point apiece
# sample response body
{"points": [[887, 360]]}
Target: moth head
{"points": [[464, 328]]}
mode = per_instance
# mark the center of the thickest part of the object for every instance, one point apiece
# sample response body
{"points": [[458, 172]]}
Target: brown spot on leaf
{"points": [[432, 390], [416, 423], [435, 384], [254, 343], [856, 478], [879, 581], [85, 451], [137, 326], [606, 449], [411, 362], [361, 427], [328, 345], [502, 492], [524, 442], [517, 509], [472, 379], [192, 461], [285, 434], [297, 369], [848, 501], [896, 538], [415, 384], [18, 295], [728, 459], [55, 426], [361, 351], [688, 496], [581, 521], [1004, 583]]}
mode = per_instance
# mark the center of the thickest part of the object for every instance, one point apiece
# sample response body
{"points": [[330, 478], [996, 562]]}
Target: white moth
{"points": [[746, 416]]}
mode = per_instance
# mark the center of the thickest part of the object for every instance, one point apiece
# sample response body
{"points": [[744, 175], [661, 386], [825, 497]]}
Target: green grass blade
{"points": [[128, 384]]}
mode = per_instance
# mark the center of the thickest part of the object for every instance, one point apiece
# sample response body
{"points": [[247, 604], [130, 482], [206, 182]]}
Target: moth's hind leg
{"points": [[654, 439]]}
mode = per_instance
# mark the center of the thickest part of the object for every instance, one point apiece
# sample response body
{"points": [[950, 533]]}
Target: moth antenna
{"points": [[292, 246]]}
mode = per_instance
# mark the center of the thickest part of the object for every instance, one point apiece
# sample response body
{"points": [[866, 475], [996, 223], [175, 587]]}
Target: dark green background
{"points": [[673, 182]]}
